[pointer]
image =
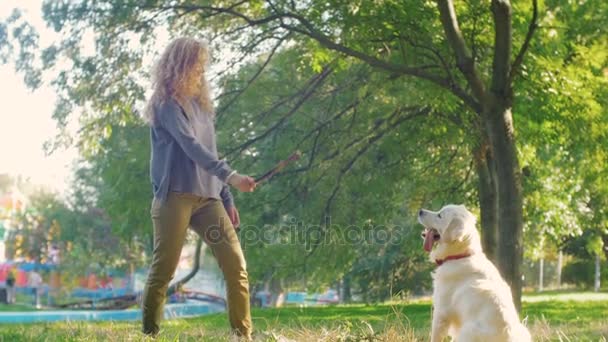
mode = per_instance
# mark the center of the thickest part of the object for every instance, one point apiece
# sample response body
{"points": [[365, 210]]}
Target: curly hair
{"points": [[171, 76]]}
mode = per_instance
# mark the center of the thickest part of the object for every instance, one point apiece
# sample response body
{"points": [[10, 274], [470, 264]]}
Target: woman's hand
{"points": [[242, 183], [233, 213]]}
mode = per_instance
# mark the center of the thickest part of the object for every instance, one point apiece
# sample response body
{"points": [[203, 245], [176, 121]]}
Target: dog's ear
{"points": [[455, 230], [467, 213]]}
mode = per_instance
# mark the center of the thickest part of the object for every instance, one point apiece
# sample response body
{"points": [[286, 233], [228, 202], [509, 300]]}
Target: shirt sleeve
{"points": [[171, 117], [226, 196]]}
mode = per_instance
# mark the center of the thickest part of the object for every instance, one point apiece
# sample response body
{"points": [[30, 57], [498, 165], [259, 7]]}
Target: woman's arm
{"points": [[231, 210], [174, 121], [226, 196]]}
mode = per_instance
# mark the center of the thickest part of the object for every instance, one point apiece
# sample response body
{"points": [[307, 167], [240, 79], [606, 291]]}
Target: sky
{"points": [[25, 118]]}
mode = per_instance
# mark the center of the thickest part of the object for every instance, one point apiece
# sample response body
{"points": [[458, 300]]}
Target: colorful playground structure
{"points": [[94, 298], [90, 286], [264, 298], [115, 296], [88, 290]]}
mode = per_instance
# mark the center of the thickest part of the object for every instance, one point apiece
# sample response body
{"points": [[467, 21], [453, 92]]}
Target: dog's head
{"points": [[450, 225]]}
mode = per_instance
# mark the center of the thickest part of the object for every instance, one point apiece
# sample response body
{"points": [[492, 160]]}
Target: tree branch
{"points": [[255, 76], [334, 118], [309, 31], [464, 59], [501, 11], [524, 48], [435, 52], [195, 267], [308, 92], [371, 141], [419, 72]]}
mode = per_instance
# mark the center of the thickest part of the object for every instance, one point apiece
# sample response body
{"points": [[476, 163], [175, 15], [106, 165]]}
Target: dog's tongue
{"points": [[429, 240]]}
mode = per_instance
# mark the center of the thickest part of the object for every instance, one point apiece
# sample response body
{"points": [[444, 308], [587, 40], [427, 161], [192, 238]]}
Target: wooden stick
{"points": [[280, 166]]}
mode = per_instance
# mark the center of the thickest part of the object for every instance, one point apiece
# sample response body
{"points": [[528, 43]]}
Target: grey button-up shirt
{"points": [[184, 154]]}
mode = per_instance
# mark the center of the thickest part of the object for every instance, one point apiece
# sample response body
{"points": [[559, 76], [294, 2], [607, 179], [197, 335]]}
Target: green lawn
{"points": [[549, 320], [565, 295], [16, 307]]}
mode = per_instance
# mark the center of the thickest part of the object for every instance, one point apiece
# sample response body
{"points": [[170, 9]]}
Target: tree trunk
{"points": [[277, 292], [597, 284], [197, 262], [131, 281], [541, 269], [560, 262], [346, 293], [487, 200], [605, 246], [499, 123]]}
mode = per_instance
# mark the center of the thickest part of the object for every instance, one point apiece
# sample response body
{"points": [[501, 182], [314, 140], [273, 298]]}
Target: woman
{"points": [[189, 183]]}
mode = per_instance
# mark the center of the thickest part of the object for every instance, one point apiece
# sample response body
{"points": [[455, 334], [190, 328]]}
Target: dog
{"points": [[471, 301]]}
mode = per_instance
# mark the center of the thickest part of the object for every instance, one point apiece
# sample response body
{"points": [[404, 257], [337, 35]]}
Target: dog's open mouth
{"points": [[430, 236]]}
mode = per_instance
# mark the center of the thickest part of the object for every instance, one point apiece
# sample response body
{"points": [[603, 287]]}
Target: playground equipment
{"points": [[171, 311], [127, 301]]}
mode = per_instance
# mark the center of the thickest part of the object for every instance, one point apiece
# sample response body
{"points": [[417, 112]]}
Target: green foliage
{"points": [[584, 246], [357, 131], [581, 273], [561, 110], [82, 235], [34, 231], [374, 140], [116, 179], [122, 166]]}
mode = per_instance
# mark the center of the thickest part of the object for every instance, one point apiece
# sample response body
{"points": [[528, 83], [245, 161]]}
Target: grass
{"points": [[565, 295], [16, 307], [549, 320]]}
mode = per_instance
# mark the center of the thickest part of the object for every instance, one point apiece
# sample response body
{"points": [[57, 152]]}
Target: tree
{"points": [[473, 63], [117, 170], [490, 94], [35, 230], [299, 224]]}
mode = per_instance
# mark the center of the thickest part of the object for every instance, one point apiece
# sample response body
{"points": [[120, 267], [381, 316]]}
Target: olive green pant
{"points": [[208, 218]]}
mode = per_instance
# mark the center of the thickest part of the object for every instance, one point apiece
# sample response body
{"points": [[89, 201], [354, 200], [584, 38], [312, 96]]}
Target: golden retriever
{"points": [[470, 299]]}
